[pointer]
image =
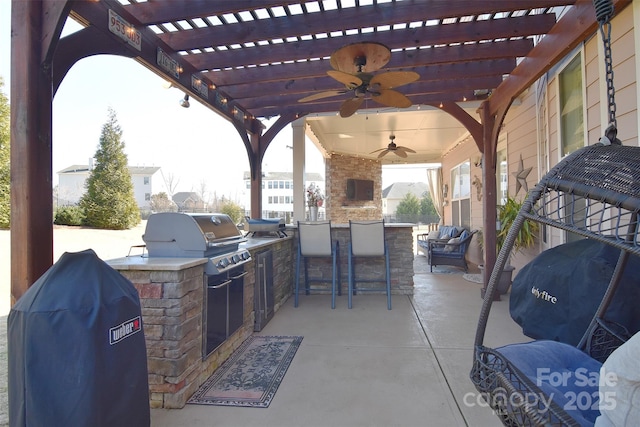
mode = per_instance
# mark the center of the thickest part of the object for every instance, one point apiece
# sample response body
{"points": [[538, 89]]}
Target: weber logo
{"points": [[125, 330]]}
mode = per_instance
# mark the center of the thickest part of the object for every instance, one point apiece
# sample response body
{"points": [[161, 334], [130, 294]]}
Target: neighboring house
{"points": [[72, 181], [393, 194], [188, 201], [142, 179], [277, 193]]}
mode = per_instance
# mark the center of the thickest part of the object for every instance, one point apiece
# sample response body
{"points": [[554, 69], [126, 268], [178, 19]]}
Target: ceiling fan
{"points": [[398, 150], [353, 66]]}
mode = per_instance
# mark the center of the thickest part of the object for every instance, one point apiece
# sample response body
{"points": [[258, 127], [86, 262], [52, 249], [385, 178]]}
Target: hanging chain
{"points": [[604, 11], [605, 31]]}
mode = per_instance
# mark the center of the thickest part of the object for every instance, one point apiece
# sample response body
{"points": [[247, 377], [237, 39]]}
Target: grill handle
{"points": [[221, 285], [239, 275]]}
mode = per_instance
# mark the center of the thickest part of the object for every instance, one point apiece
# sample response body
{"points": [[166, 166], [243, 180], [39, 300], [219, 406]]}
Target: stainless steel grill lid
{"points": [[170, 234]]}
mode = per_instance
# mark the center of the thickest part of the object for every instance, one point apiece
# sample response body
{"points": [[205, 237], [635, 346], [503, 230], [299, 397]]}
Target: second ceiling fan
{"points": [[353, 65], [398, 150]]}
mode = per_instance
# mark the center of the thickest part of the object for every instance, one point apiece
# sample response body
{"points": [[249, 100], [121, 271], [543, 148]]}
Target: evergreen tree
{"points": [[109, 201], [426, 206], [409, 205], [5, 181]]}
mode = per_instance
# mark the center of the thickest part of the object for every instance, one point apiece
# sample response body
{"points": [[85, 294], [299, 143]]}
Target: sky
{"points": [[195, 145]]}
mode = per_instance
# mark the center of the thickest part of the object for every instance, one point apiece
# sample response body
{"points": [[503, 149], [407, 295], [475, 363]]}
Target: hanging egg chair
{"points": [[593, 193]]}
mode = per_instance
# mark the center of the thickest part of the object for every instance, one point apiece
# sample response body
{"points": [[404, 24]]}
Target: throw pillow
{"points": [[620, 386], [451, 248], [433, 235]]}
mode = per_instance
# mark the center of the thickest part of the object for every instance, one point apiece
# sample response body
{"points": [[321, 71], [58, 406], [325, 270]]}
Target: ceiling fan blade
{"points": [[400, 153], [392, 98], [394, 79], [350, 106], [379, 149], [407, 149], [321, 95], [349, 80], [384, 153]]}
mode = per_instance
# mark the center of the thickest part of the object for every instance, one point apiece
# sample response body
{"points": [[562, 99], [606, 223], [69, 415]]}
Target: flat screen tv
{"points": [[359, 189]]}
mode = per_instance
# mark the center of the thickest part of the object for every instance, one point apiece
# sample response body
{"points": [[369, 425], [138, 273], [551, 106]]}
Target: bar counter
{"points": [[172, 293]]}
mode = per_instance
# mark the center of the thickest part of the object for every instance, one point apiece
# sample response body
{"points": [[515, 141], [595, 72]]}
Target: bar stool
{"points": [[314, 241], [368, 240]]}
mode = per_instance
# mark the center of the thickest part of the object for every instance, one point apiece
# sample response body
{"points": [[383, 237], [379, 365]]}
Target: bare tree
{"points": [[170, 182], [203, 193]]}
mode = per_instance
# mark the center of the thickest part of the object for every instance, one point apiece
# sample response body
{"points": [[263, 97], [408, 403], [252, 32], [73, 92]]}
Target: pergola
{"points": [[251, 59]]}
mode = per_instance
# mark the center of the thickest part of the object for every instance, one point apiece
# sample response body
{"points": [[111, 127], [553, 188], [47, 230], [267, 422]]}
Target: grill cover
{"points": [[77, 354], [555, 296]]}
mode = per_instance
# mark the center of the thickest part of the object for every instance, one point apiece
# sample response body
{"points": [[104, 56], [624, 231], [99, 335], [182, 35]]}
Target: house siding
{"points": [[72, 185], [522, 131]]}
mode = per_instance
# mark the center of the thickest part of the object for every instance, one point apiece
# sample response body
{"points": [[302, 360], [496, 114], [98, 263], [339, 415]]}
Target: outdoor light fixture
{"points": [[184, 102]]}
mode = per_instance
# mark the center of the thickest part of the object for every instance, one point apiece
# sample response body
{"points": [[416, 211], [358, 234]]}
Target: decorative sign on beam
{"points": [[200, 86], [124, 30], [168, 64]]}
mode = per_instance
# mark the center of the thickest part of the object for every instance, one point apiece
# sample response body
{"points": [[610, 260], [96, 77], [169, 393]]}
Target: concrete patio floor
{"points": [[372, 367]]}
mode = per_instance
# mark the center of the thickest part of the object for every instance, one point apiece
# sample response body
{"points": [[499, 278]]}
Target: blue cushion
{"points": [[447, 231], [564, 373]]}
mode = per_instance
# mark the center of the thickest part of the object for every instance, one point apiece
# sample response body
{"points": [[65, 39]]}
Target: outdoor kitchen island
{"points": [[173, 300], [172, 296]]}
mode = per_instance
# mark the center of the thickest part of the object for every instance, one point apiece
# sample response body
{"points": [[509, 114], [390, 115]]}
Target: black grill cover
{"points": [[77, 354], [556, 295]]}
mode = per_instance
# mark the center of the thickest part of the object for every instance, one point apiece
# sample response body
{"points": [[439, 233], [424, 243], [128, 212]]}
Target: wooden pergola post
{"points": [[33, 31]]}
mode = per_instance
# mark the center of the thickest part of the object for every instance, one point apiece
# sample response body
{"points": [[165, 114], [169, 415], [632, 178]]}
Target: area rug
{"points": [[251, 375], [475, 278]]}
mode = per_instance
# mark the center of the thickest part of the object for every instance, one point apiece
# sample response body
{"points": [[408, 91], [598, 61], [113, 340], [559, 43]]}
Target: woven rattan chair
{"points": [[368, 241], [314, 241], [594, 193]]}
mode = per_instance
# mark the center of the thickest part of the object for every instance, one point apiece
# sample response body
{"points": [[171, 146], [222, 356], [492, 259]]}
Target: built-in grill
{"points": [[215, 237], [211, 236]]}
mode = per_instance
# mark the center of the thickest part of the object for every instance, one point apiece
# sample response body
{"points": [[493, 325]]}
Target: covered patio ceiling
{"points": [[254, 59]]}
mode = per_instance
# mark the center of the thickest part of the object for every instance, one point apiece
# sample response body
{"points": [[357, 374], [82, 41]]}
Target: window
{"points": [[571, 107], [502, 183], [146, 180], [147, 196], [287, 184], [460, 194], [572, 122], [281, 184]]}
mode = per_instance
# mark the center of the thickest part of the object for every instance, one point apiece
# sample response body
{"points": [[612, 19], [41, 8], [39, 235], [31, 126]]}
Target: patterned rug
{"points": [[251, 375]]}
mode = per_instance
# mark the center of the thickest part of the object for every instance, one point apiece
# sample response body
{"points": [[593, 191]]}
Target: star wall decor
{"points": [[521, 177]]}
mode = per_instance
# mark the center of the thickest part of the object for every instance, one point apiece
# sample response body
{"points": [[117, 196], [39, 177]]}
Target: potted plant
{"points": [[314, 200], [526, 238]]}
